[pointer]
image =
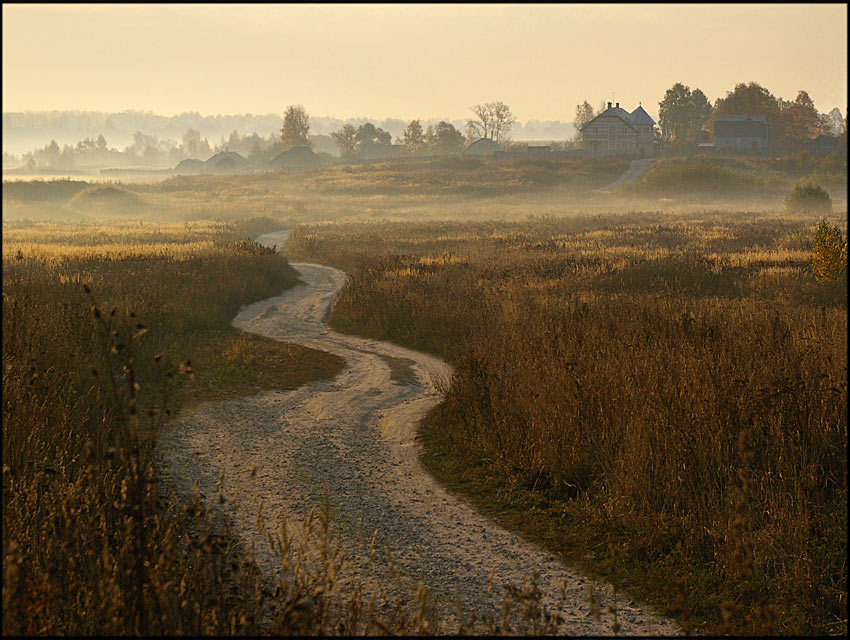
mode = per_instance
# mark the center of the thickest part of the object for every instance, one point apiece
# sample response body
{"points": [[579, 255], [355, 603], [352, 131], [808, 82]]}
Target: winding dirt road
{"points": [[354, 438]]}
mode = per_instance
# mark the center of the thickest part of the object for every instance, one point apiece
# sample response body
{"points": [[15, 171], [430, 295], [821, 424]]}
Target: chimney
{"points": [[618, 105], [609, 105]]}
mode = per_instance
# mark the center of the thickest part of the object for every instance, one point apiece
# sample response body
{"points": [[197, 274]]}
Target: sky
{"points": [[412, 61]]}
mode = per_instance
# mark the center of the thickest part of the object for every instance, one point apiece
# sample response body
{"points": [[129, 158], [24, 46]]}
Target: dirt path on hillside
{"points": [[635, 170], [354, 437]]}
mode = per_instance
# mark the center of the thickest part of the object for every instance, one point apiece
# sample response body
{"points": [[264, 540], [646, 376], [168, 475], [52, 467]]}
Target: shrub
{"points": [[808, 197], [829, 255]]}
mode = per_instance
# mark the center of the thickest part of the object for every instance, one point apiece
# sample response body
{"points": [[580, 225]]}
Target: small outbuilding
{"points": [[226, 161], [482, 147], [822, 145], [189, 166], [297, 157]]}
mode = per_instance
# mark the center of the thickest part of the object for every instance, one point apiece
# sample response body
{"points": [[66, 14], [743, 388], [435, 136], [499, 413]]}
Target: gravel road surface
{"points": [[353, 439]]}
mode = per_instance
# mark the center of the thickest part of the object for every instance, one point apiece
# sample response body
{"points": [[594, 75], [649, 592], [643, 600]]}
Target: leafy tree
{"points": [[808, 197], [829, 255], [368, 136], [296, 127], [700, 113], [754, 99], [413, 141], [443, 139], [584, 114], [492, 120], [837, 124], [346, 141], [682, 114], [803, 120]]}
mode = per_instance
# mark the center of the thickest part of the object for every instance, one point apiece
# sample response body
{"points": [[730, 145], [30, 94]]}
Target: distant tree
{"points": [[296, 127], [193, 146], [803, 120], [673, 112], [346, 141], [142, 142], [443, 139], [837, 124], [700, 114], [584, 114], [754, 99], [368, 136], [492, 120], [413, 141]]}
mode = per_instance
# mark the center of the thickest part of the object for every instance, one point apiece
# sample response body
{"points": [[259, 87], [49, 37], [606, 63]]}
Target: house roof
{"points": [[639, 116], [483, 145], [740, 127], [618, 112], [297, 156], [227, 158], [741, 118]]}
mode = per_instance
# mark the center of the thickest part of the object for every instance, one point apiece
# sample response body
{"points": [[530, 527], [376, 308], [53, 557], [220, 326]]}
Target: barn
{"points": [[744, 132]]}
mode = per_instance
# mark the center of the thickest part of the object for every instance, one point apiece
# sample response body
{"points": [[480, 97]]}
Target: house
{"points": [[743, 132], [189, 166], [615, 131], [225, 161], [297, 157], [482, 147], [822, 145]]}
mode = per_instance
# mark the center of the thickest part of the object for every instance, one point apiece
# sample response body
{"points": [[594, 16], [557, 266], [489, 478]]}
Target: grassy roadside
{"points": [[106, 332], [689, 441]]}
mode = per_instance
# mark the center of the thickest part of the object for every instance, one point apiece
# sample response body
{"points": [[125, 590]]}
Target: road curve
{"points": [[354, 437], [635, 169]]}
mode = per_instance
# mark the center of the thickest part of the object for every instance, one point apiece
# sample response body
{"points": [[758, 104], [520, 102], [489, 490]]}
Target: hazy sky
{"points": [[412, 61]]}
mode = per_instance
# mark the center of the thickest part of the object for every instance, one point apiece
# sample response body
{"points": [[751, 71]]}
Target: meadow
{"points": [[650, 383], [108, 331], [662, 400]]}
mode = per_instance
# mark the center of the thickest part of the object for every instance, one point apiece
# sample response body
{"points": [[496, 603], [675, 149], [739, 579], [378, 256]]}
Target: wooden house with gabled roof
{"points": [[615, 131]]}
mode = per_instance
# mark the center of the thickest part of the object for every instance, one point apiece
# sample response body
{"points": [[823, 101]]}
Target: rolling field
{"points": [[662, 400], [650, 383]]}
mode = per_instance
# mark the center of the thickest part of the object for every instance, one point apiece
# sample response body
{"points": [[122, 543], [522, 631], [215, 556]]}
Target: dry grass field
{"points": [[108, 330], [663, 400], [649, 382]]}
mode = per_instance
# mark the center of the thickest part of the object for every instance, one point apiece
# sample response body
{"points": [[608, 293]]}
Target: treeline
{"points": [[150, 151], [686, 117]]}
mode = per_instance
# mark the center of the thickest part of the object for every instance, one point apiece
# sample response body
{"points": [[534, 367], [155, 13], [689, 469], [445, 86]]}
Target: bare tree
{"points": [[492, 120], [480, 126], [584, 114], [502, 120]]}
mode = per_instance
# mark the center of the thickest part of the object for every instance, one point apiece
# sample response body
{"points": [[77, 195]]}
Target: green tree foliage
{"points": [[443, 139], [346, 141], [829, 255], [296, 127], [369, 136], [790, 124], [808, 197], [413, 142], [802, 120], [682, 113]]}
